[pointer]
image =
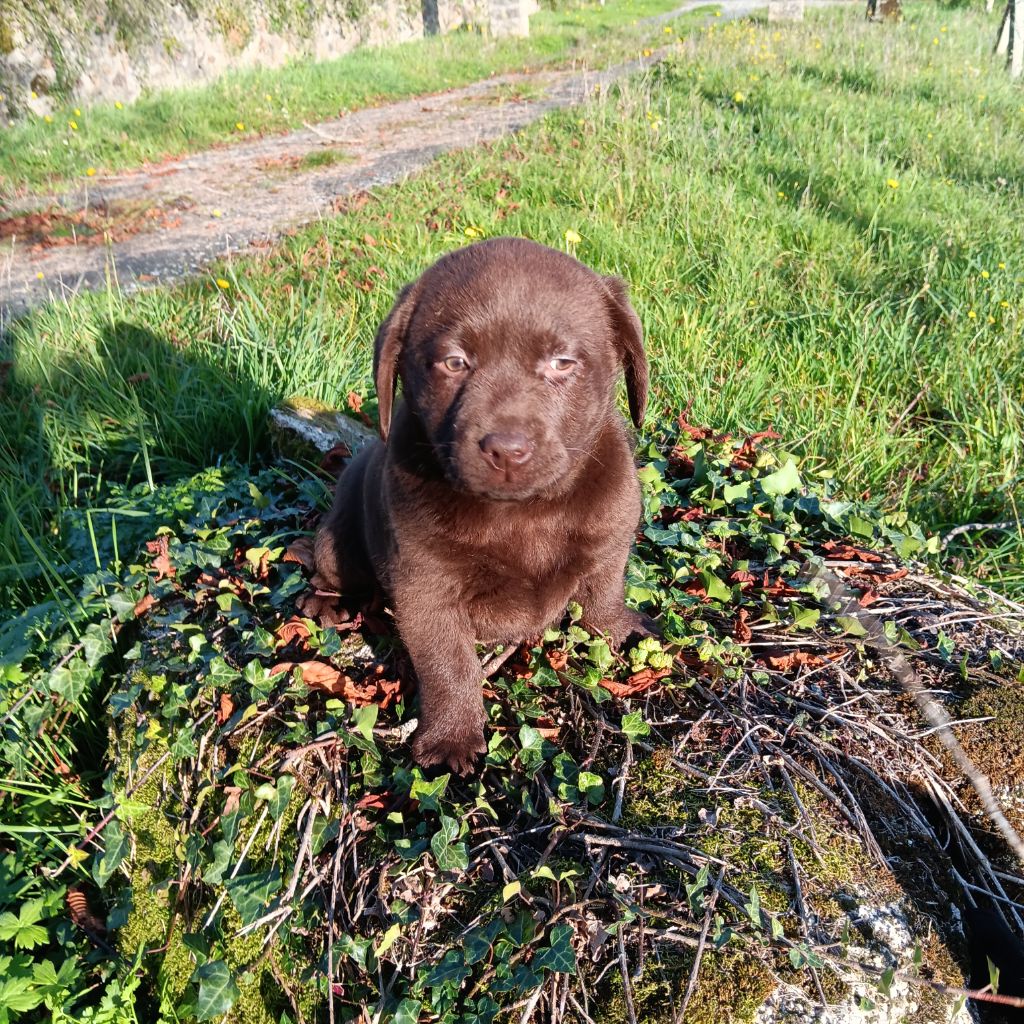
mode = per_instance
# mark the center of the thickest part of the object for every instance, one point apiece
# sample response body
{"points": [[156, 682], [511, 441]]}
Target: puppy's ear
{"points": [[386, 352], [629, 340]]}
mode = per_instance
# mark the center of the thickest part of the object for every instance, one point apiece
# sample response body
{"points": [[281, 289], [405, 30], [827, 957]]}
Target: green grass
{"points": [[781, 279], [39, 154]]}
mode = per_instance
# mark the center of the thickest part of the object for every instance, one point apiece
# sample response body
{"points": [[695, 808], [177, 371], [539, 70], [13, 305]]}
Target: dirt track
{"points": [[169, 221]]}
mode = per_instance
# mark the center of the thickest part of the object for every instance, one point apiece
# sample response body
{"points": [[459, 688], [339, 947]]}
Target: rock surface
{"points": [[93, 53]]}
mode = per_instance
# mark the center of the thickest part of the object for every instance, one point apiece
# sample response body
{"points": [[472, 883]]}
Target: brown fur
{"points": [[503, 490]]}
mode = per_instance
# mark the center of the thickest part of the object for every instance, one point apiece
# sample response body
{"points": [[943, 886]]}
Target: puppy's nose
{"points": [[506, 451]]}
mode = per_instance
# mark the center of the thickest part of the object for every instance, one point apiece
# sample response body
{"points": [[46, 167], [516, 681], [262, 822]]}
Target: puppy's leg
{"points": [[602, 595], [439, 639], [339, 549]]}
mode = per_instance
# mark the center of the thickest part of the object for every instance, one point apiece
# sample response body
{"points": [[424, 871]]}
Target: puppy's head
{"points": [[508, 353]]}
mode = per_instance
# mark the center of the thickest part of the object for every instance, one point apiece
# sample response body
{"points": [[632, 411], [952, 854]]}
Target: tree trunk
{"points": [[1016, 38], [1003, 39], [885, 10]]}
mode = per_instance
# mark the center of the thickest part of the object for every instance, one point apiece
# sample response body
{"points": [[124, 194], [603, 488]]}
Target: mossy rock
{"points": [[304, 430]]}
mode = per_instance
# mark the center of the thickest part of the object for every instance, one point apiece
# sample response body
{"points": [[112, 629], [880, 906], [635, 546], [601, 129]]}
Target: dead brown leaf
{"points": [[557, 659], [847, 552], [301, 552], [741, 631], [637, 683], [162, 562], [225, 708], [290, 631]]}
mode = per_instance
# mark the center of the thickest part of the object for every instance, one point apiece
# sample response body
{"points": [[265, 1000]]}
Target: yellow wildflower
{"points": [[984, 274], [78, 113], [972, 315], [90, 172], [48, 118], [118, 105], [1002, 266], [737, 97], [39, 275], [223, 284], [73, 125], [573, 237], [892, 183]]}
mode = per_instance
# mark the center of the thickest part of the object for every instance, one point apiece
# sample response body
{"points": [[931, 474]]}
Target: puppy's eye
{"points": [[455, 364], [561, 364]]}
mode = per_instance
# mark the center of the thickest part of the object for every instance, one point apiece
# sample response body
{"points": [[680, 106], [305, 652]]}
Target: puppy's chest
{"points": [[522, 584]]}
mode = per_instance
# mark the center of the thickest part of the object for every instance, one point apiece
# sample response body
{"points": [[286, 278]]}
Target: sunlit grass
{"points": [[782, 277]]}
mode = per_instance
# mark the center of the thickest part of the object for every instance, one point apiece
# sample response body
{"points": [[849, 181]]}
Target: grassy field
{"points": [[820, 227], [66, 147]]}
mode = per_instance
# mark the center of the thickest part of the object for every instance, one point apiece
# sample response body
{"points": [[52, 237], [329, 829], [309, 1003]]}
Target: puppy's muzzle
{"points": [[506, 453]]}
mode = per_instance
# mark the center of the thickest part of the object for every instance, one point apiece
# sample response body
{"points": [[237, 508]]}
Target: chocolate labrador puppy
{"points": [[504, 486]]}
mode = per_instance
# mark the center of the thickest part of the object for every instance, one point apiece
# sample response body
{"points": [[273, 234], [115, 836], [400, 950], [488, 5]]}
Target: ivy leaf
{"points": [[251, 893], [282, 794], [600, 655], [806, 618], [850, 624], [407, 1012], [450, 969], [479, 941], [213, 874], [782, 481], [592, 785], [71, 681], [531, 754], [217, 990], [559, 956], [115, 849], [634, 726], [714, 587], [450, 855], [429, 792], [736, 492]]}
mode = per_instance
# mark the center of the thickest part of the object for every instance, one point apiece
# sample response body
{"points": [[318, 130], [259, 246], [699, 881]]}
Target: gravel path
{"points": [[188, 212]]}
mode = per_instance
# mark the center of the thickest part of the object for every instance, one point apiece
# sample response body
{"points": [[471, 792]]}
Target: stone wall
{"points": [[97, 51]]}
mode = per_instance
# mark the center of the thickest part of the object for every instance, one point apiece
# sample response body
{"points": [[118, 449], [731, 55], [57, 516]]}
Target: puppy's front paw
{"points": [[458, 748], [637, 625], [626, 624]]}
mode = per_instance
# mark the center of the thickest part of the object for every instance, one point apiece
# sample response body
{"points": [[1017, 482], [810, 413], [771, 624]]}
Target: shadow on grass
{"points": [[128, 406]]}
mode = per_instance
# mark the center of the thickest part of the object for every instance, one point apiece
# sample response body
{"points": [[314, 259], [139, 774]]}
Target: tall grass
{"points": [[808, 218]]}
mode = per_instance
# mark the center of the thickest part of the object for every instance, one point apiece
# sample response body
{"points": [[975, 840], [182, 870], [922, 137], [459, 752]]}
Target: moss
{"points": [[997, 746], [232, 21], [156, 857], [6, 36], [659, 794], [731, 985]]}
